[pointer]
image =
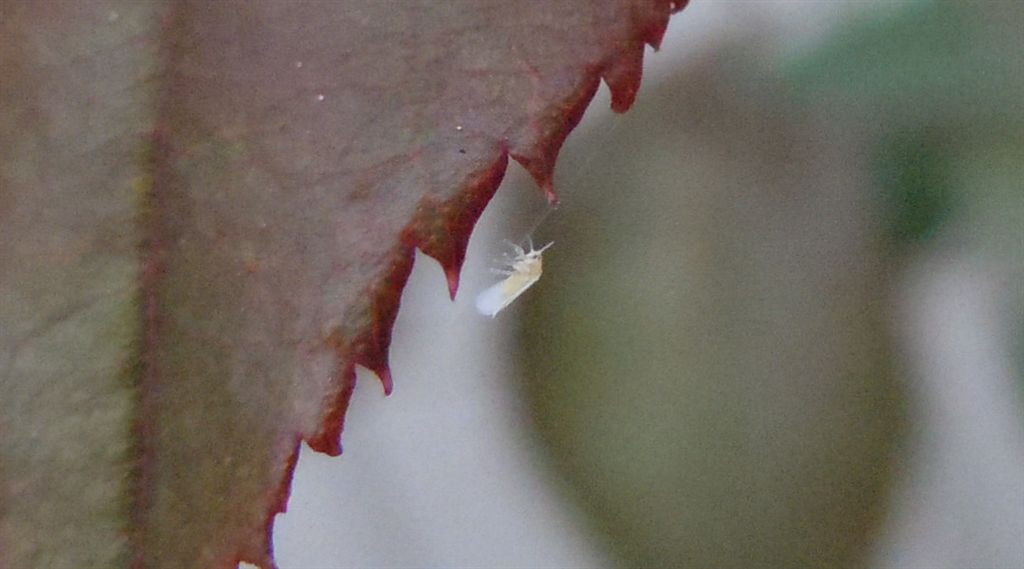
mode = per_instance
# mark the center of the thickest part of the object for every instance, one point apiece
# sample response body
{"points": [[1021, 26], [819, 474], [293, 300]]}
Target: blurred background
{"points": [[782, 324]]}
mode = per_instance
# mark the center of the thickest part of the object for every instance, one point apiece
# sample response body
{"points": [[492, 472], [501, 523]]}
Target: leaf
{"points": [[208, 212]]}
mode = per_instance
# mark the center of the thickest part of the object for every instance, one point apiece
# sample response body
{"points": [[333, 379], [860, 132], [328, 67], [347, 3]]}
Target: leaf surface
{"points": [[208, 213]]}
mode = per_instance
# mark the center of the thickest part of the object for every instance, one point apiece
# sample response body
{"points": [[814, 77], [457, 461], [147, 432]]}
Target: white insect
{"points": [[523, 269]]}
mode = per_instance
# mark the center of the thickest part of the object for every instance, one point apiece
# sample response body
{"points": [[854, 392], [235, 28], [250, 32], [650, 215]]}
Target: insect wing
{"points": [[491, 301], [496, 297]]}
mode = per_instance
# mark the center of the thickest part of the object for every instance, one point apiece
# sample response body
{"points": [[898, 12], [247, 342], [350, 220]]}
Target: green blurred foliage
{"points": [[948, 62], [914, 178], [709, 358]]}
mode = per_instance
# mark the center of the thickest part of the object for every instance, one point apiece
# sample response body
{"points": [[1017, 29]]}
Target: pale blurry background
{"points": [[782, 324]]}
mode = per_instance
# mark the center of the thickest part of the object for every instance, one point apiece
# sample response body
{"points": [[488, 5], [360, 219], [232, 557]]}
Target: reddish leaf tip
{"points": [[278, 505], [452, 274], [442, 227], [623, 76], [364, 339], [653, 30], [551, 195], [384, 375], [328, 439], [538, 151]]}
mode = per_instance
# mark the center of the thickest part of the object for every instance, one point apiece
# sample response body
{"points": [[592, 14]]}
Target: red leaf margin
{"points": [[440, 229]]}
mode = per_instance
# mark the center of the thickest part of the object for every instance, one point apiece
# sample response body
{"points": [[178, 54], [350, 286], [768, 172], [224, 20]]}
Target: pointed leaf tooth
{"points": [[442, 230], [451, 274], [328, 439], [623, 76], [538, 150], [384, 375]]}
